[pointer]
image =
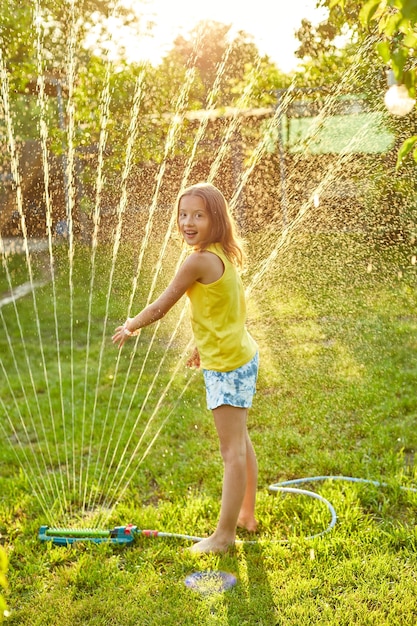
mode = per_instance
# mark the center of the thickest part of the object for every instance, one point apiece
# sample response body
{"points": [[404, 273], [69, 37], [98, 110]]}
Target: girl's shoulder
{"points": [[209, 264]]}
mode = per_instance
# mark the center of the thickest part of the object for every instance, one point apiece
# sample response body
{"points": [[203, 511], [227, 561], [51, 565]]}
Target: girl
{"points": [[225, 350]]}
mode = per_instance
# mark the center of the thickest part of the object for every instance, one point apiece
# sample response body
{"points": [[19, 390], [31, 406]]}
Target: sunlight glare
{"points": [[163, 20]]}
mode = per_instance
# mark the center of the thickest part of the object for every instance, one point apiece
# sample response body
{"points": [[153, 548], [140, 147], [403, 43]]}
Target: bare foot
{"points": [[211, 544], [248, 523]]}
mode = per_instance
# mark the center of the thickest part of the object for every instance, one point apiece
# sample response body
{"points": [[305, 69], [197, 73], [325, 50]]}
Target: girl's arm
{"points": [[192, 269]]}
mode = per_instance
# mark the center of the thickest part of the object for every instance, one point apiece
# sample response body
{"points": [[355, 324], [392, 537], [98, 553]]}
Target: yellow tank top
{"points": [[218, 318]]}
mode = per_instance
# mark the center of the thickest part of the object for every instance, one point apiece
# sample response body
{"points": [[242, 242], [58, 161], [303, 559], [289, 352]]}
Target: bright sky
{"points": [[272, 29]]}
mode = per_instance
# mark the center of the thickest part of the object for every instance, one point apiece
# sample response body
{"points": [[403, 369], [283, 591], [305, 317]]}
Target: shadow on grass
{"points": [[252, 600]]}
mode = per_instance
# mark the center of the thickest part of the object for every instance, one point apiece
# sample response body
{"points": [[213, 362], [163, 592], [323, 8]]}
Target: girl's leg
{"points": [[246, 517], [236, 450]]}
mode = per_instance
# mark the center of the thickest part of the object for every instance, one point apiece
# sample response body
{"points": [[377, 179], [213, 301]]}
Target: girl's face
{"points": [[193, 220]]}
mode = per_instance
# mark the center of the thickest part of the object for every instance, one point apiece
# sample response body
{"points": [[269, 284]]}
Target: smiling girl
{"points": [[225, 350]]}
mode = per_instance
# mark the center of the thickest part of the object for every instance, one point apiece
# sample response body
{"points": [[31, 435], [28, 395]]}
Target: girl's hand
{"points": [[123, 332], [119, 336], [194, 360]]}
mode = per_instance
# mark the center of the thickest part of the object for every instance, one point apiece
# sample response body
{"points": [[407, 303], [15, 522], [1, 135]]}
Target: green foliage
{"points": [[327, 61], [56, 24], [409, 145], [203, 69], [3, 582], [208, 48], [396, 23]]}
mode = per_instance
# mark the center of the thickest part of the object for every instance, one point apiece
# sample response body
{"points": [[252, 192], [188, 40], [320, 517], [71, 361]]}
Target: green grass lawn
{"points": [[336, 323]]}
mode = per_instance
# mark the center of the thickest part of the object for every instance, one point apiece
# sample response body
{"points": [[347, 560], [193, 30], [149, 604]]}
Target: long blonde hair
{"points": [[223, 226]]}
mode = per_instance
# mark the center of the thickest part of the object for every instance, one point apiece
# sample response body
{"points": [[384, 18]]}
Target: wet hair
{"points": [[223, 227]]}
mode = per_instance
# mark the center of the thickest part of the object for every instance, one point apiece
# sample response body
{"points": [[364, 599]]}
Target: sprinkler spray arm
{"points": [[66, 536]]}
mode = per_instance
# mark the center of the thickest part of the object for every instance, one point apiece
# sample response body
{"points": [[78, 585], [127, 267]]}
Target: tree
{"points": [[219, 58], [356, 65], [48, 36], [397, 20], [324, 62], [57, 22], [338, 51], [394, 25]]}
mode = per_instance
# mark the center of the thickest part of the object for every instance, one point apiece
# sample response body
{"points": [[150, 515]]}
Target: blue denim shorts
{"points": [[235, 388]]}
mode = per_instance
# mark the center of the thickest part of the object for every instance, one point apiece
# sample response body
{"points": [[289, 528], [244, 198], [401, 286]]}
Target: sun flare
{"points": [[162, 21]]}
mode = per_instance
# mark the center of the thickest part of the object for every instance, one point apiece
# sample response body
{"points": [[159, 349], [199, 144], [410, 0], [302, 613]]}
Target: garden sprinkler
{"points": [[65, 536], [118, 535]]}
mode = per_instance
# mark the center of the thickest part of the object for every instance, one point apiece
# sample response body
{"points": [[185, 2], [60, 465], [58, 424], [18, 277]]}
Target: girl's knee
{"points": [[233, 454]]}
